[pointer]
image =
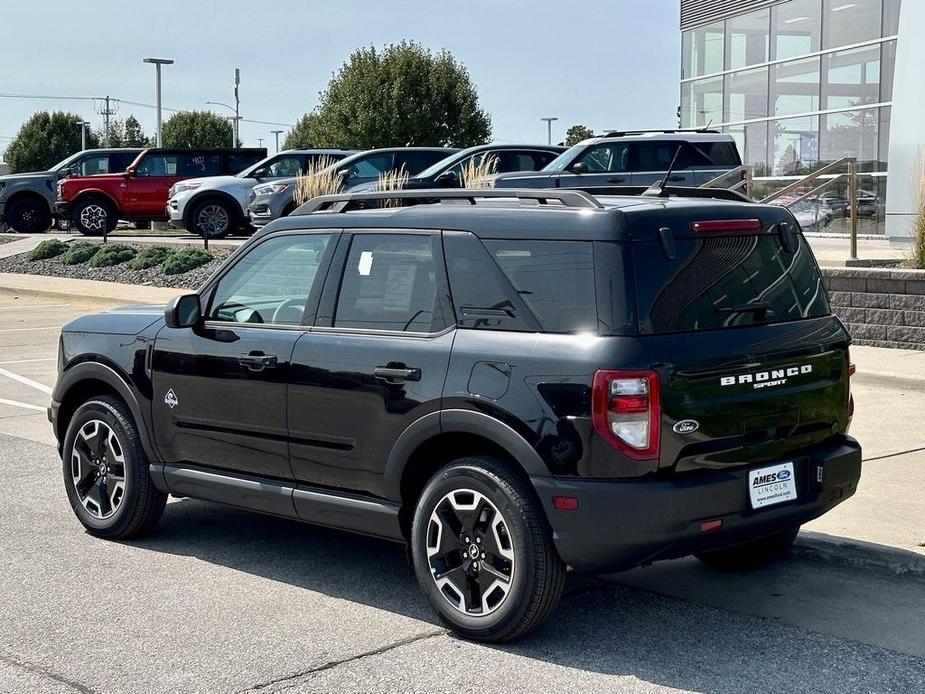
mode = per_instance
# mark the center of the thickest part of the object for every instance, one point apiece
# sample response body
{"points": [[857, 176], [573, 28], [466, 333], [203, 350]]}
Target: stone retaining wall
{"points": [[882, 307]]}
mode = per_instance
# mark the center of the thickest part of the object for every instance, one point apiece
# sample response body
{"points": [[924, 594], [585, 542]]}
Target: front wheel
{"points": [[482, 551], [94, 217], [752, 555], [213, 219], [106, 473]]}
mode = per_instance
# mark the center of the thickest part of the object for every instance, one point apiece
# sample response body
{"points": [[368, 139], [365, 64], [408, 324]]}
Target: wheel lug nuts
{"points": [[483, 555], [479, 540], [467, 539]]}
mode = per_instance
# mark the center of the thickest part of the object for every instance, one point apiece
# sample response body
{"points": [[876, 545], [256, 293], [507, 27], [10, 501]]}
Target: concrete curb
{"points": [[859, 554], [117, 294]]}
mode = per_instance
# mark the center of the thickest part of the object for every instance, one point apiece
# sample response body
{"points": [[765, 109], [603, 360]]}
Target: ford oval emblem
{"points": [[686, 426], [783, 475]]}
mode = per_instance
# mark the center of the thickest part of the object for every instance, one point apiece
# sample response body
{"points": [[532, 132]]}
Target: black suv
{"points": [[511, 382]]}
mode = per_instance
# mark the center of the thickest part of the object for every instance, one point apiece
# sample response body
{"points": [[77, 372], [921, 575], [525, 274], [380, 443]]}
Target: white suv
{"points": [[217, 205]]}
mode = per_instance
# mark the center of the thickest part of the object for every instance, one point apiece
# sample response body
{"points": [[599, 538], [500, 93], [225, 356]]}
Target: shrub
{"points": [[185, 259], [112, 254], [79, 253], [479, 174], [149, 257], [47, 249], [917, 258]]}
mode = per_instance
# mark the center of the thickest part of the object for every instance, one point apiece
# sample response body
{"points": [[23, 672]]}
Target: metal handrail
{"points": [[808, 178], [342, 202], [726, 174], [818, 189]]}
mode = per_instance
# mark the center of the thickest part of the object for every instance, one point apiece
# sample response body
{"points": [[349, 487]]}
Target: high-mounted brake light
{"points": [[625, 411], [726, 225]]}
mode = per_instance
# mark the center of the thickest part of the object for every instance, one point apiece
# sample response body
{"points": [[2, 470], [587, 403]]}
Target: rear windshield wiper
{"points": [[762, 309]]}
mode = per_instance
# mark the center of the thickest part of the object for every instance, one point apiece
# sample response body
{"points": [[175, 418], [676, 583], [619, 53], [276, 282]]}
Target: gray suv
{"points": [[27, 199], [271, 201], [634, 159]]}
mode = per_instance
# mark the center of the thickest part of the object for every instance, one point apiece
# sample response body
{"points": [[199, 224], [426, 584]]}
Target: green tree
{"points": [[401, 95], [196, 129], [125, 133], [44, 140], [304, 134], [576, 134]]}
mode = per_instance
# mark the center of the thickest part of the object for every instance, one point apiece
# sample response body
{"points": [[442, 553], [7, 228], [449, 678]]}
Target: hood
{"points": [[128, 320], [36, 175], [214, 181]]}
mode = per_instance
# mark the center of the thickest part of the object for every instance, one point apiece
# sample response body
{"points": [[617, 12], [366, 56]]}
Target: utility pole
{"points": [[549, 121], [276, 134], [260, 142], [83, 135], [237, 104], [107, 111], [157, 62]]}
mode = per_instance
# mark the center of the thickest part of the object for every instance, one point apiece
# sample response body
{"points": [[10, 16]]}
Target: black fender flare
{"points": [[239, 214], [89, 370], [457, 422], [27, 193]]}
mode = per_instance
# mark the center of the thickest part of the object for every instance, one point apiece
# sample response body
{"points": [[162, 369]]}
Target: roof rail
{"points": [[345, 202], [673, 191], [622, 133]]}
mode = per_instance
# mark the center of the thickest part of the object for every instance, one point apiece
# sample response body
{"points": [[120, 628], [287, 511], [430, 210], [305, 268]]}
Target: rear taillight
{"points": [[712, 225], [851, 370], [625, 411]]}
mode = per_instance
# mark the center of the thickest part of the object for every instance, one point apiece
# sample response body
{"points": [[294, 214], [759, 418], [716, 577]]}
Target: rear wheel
{"points": [[482, 552], [94, 217], [212, 218], [28, 216], [106, 472], [754, 554]]}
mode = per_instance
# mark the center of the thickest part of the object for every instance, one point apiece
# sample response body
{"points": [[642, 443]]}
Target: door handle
{"points": [[616, 179], [388, 373], [258, 361]]}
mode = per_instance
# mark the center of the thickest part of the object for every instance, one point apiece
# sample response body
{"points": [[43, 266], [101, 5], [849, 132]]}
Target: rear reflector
{"points": [[710, 525], [852, 369], [626, 413], [565, 503], [726, 225]]}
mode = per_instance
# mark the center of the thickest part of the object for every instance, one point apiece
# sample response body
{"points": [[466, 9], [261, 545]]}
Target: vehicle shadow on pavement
{"points": [[728, 633]]}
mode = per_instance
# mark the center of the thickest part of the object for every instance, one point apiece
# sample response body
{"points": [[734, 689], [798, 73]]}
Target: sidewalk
{"points": [[78, 290]]}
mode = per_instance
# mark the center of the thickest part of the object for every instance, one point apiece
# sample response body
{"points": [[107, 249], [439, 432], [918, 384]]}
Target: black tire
{"points": [[537, 574], [751, 555], [214, 218], [140, 505], [28, 216], [94, 216]]}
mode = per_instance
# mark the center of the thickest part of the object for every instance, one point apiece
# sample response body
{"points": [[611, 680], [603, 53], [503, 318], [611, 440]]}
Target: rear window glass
{"points": [[555, 279], [714, 154], [713, 280]]}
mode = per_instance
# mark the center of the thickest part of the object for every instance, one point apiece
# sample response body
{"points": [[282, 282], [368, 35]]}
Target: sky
{"points": [[602, 63]]}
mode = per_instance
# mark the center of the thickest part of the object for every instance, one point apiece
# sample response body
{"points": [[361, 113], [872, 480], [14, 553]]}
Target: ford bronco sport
{"points": [[511, 382]]}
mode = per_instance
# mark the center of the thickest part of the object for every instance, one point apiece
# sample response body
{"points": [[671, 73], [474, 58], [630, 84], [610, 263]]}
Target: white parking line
{"points": [[16, 403], [26, 381], [24, 330], [28, 361]]}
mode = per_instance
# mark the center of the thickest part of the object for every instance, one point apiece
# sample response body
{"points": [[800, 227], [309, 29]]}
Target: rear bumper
{"points": [[63, 208], [626, 523]]}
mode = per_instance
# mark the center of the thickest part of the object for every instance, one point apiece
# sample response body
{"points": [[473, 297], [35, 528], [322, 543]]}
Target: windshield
{"points": [[559, 163], [61, 165], [435, 169], [251, 169]]}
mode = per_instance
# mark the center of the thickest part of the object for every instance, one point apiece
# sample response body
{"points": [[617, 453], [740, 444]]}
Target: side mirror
{"points": [[130, 171], [579, 168], [183, 311], [447, 179]]}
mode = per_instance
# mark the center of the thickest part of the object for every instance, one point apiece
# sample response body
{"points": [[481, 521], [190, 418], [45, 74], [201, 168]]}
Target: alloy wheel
{"points": [[98, 469], [93, 217], [212, 219], [470, 552]]}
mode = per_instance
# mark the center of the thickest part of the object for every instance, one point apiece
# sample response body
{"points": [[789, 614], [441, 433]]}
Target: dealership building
{"points": [[801, 83]]}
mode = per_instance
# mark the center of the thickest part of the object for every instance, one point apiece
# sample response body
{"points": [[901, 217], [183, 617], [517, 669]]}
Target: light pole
{"points": [[237, 104], [234, 120], [157, 62], [549, 121], [260, 142], [276, 134], [83, 135]]}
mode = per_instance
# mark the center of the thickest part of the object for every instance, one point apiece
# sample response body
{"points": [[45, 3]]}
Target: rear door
{"points": [[711, 159], [650, 162], [375, 361], [740, 330]]}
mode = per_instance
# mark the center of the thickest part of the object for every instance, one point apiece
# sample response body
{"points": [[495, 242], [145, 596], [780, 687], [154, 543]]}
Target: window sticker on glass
{"points": [[365, 265]]}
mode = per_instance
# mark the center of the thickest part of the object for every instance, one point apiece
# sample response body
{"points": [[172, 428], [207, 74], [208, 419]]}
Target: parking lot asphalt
{"points": [[222, 600]]}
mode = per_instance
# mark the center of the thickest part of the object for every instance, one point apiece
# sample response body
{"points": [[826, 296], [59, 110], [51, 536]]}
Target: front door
{"points": [[220, 389], [374, 363], [606, 164]]}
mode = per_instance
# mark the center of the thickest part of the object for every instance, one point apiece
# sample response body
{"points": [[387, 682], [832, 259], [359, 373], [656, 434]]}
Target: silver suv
{"points": [[217, 205], [638, 158], [27, 199]]}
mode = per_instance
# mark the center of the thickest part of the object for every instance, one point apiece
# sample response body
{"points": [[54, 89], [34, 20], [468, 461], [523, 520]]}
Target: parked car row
{"points": [[215, 192]]}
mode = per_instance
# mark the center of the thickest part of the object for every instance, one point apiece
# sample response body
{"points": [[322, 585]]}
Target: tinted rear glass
{"points": [[714, 154], [713, 278]]}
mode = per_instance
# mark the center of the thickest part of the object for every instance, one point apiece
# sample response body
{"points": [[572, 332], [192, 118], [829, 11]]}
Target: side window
{"points": [[515, 161], [416, 162], [271, 283], [195, 165], [158, 165], [554, 278], [120, 161], [285, 167], [608, 158], [390, 283], [372, 166], [543, 158], [95, 164], [482, 296], [656, 156]]}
